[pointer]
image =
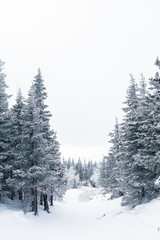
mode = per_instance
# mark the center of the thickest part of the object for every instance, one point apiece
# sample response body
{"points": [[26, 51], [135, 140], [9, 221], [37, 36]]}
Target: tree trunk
{"points": [[32, 193], [46, 206], [142, 192], [51, 200], [12, 195], [35, 202], [20, 196], [41, 199]]}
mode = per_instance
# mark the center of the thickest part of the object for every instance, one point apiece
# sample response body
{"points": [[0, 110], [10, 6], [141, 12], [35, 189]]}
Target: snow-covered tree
{"points": [[56, 169], [5, 128], [114, 162], [130, 146], [88, 171], [16, 113], [35, 153], [148, 158], [103, 174], [72, 178], [80, 170], [94, 174]]}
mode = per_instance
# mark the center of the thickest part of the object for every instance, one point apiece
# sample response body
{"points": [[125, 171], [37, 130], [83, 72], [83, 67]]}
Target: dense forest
{"points": [[132, 167], [81, 173], [30, 163]]}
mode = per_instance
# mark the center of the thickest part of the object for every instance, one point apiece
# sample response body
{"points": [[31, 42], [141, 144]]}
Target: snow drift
{"points": [[84, 214]]}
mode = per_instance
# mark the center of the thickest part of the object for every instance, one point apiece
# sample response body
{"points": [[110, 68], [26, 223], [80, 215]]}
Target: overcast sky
{"points": [[86, 50]]}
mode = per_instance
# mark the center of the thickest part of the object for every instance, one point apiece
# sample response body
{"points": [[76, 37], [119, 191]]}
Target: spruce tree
{"points": [[16, 113], [139, 140], [44, 175], [54, 161], [5, 128], [145, 180], [130, 145], [114, 163], [148, 154], [35, 153], [103, 174]]}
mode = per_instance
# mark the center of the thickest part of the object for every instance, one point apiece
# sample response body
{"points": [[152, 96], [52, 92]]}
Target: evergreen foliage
{"points": [[81, 173], [30, 163], [132, 167], [5, 144]]}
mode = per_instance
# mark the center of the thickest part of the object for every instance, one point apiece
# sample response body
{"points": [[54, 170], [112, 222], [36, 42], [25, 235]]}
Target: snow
{"points": [[83, 215]]}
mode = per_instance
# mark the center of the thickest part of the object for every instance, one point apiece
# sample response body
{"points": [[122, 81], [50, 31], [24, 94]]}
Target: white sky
{"points": [[86, 50]]}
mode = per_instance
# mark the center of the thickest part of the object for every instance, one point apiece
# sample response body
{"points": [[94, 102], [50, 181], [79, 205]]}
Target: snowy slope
{"points": [[83, 215]]}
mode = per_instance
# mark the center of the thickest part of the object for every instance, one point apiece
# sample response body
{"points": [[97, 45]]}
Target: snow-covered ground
{"points": [[83, 215]]}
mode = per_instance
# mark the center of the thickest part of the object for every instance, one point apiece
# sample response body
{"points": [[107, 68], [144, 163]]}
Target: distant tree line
{"points": [[132, 167], [30, 164], [81, 173]]}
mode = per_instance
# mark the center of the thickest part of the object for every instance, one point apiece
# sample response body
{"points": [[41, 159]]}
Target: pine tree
{"points": [[132, 165], [16, 180], [56, 169], [130, 146], [86, 173], [35, 153], [68, 163], [103, 175], [143, 88], [114, 163], [30, 164], [90, 169], [5, 128], [94, 174], [148, 155], [80, 170], [138, 184], [145, 179]]}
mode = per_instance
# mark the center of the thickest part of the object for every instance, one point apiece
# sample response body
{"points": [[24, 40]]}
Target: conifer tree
{"points": [[134, 168], [114, 163], [130, 145], [79, 170], [145, 177], [54, 161], [103, 174], [16, 113], [35, 153], [148, 154], [30, 164], [138, 179], [5, 128]]}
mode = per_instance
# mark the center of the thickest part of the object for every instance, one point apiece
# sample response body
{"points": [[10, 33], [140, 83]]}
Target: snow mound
{"points": [[89, 193]]}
